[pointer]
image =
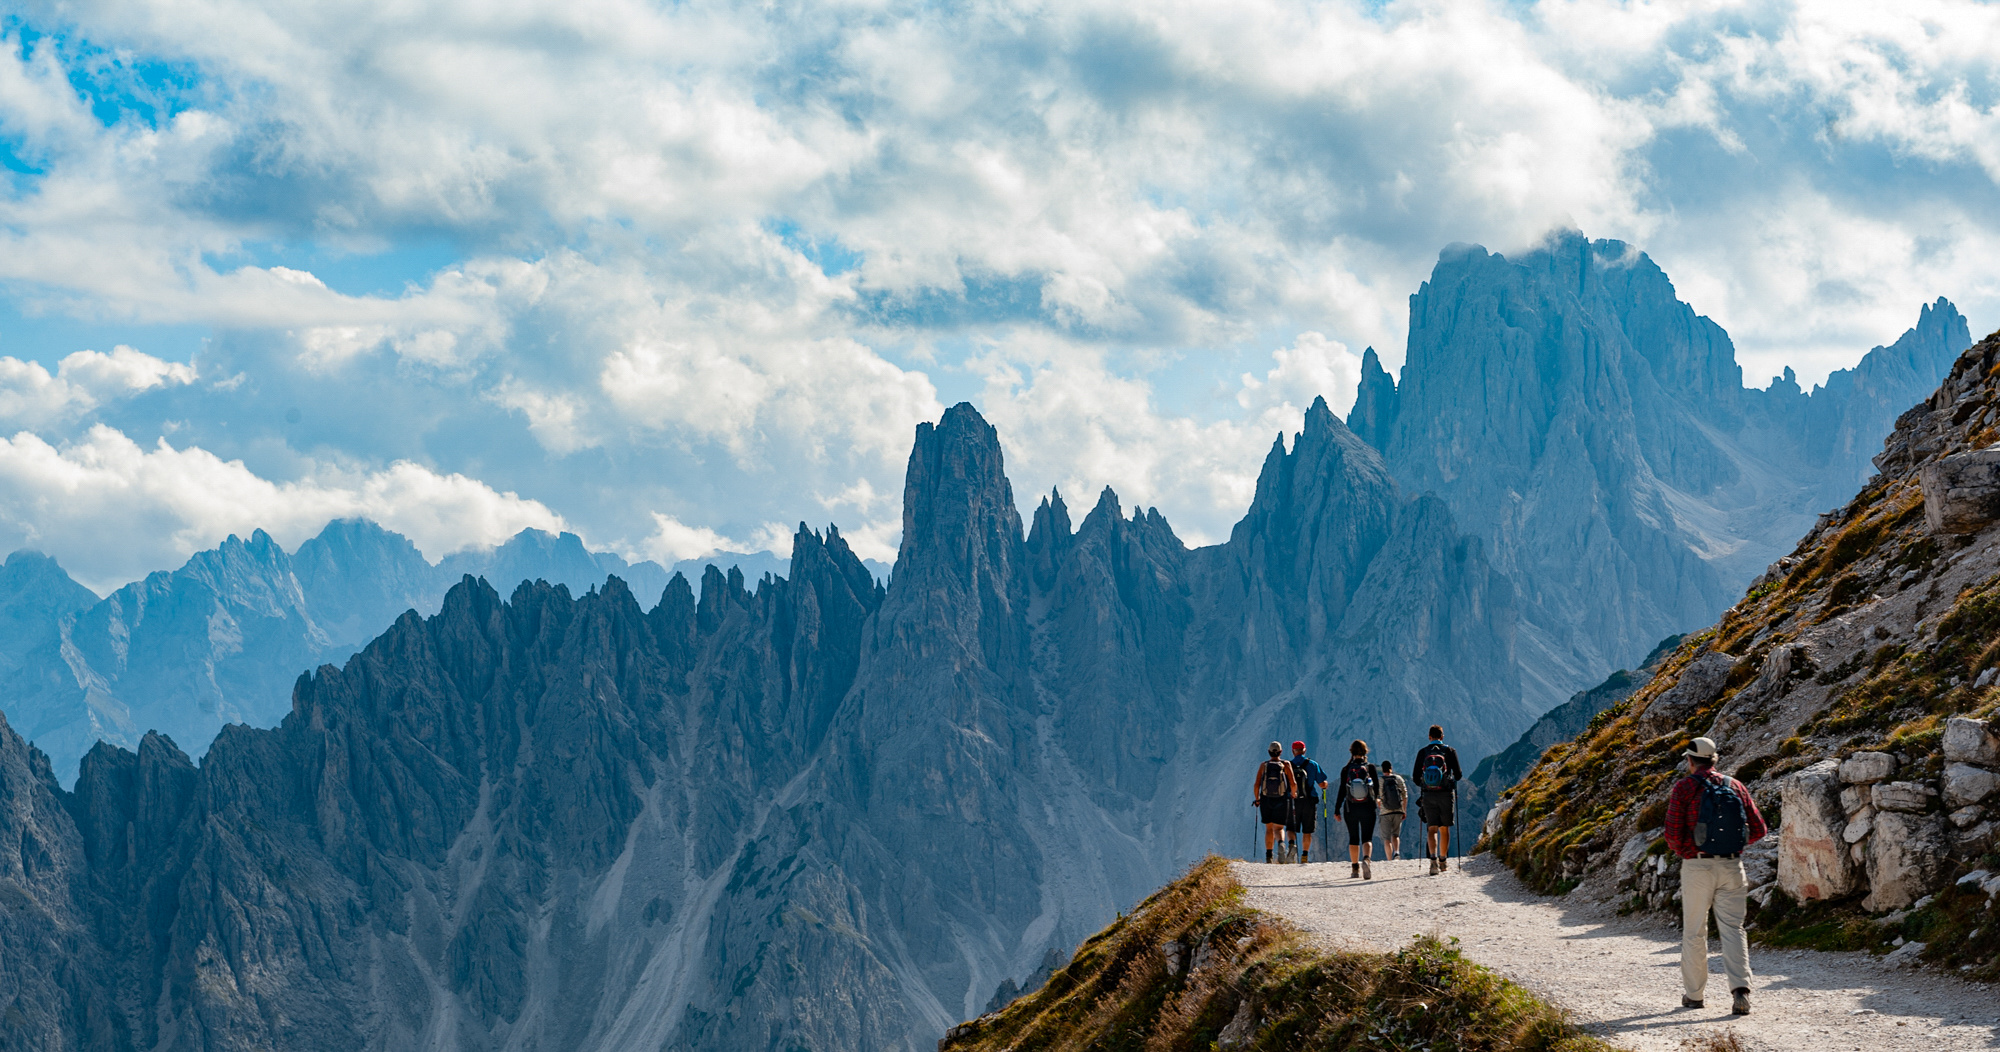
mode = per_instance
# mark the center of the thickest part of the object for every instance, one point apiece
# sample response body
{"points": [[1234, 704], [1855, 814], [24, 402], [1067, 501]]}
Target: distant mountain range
{"points": [[221, 639], [815, 811]]}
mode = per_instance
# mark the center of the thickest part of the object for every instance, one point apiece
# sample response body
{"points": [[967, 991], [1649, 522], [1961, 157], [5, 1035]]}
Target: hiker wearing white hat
{"points": [[1710, 820]]}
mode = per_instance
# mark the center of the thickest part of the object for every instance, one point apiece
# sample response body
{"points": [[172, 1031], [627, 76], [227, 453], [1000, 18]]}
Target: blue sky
{"points": [[679, 276]]}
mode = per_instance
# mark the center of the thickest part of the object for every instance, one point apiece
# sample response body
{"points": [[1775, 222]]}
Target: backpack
{"points": [[1392, 792], [1435, 775], [1359, 789], [1303, 769], [1274, 778], [1718, 826]]}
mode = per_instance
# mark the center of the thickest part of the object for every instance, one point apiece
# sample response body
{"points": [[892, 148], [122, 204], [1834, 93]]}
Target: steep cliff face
{"points": [[816, 814], [1594, 430], [1852, 688], [220, 640]]}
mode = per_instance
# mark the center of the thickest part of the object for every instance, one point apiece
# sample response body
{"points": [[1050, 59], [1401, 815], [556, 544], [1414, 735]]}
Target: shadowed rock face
{"points": [[815, 815], [1594, 431]]}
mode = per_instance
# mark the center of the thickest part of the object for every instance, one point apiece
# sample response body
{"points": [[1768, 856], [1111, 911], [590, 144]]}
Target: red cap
{"points": [[1300, 746]]}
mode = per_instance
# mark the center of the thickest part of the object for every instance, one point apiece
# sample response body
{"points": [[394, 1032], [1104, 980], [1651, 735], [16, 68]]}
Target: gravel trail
{"points": [[1620, 976]]}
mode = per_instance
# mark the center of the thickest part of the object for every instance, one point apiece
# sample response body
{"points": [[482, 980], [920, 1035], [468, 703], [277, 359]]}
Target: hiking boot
{"points": [[1689, 1002], [1741, 1006], [1366, 873], [1434, 866], [1302, 857], [1353, 871], [1267, 856]]}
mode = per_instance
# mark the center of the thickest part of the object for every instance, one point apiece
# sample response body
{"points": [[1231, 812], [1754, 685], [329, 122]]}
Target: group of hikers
{"points": [[1288, 795], [1711, 819]]}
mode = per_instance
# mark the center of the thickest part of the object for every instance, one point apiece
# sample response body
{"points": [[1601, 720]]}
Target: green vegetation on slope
{"points": [[1193, 968]]}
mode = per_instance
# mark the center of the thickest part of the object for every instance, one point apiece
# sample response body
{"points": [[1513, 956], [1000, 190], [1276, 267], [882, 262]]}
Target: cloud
{"points": [[719, 259], [31, 397], [111, 510]]}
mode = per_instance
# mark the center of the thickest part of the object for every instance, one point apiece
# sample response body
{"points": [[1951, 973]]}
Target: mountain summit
{"points": [[1595, 432]]}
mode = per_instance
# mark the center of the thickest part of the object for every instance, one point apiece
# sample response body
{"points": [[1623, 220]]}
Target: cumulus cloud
{"points": [[112, 510], [31, 397]]}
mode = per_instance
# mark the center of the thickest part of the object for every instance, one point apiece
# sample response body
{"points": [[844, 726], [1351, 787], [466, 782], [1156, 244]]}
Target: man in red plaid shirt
{"points": [[1711, 880]]}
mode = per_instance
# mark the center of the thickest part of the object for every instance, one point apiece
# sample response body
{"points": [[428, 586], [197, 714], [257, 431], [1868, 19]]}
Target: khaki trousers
{"points": [[1713, 883]]}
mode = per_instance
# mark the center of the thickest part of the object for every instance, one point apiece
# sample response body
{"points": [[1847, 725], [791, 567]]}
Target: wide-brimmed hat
{"points": [[1701, 749]]}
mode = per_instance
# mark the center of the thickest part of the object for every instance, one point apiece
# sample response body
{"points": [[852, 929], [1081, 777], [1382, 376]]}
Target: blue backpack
{"points": [[1719, 825]]}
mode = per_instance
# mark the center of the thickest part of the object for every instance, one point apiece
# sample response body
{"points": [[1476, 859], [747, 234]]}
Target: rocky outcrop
{"points": [[1962, 491], [1814, 862], [1868, 714], [1596, 433]]}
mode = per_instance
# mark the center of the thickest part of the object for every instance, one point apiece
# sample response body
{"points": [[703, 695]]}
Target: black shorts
{"points": [[1437, 809], [1360, 823], [1305, 817], [1277, 810]]}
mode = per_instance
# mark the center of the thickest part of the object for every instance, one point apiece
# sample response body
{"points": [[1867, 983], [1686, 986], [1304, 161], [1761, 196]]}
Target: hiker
{"points": [[1710, 820], [1360, 788], [1395, 800], [1311, 780], [1274, 789], [1438, 775]]}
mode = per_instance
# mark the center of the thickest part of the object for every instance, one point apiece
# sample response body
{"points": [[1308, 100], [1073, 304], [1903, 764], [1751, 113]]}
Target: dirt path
{"points": [[1620, 977]]}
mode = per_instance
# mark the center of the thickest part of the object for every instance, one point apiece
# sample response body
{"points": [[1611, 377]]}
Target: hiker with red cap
{"points": [[1311, 780]]}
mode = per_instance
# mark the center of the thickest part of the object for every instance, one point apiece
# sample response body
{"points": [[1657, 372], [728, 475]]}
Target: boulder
{"points": [[1902, 796], [1700, 683], [1760, 861], [1634, 852], [1966, 817], [1962, 491], [1864, 767], [1813, 863], [1859, 826], [1908, 856], [1977, 841], [1853, 799], [1965, 785], [1971, 741]]}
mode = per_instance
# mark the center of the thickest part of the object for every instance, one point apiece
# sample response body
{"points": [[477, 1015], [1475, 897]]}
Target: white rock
{"points": [[1971, 741], [1863, 767], [1634, 850], [1853, 799], [1961, 491], [1904, 955], [1242, 1028], [1812, 863], [1859, 826], [1966, 817], [1907, 856], [1902, 796], [1977, 876], [1965, 785], [1986, 678]]}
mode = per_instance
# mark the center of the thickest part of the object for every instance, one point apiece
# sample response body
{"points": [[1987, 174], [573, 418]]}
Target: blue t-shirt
{"points": [[1309, 774]]}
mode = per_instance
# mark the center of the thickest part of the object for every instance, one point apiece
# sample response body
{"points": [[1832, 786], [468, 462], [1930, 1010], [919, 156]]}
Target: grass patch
{"points": [[1192, 961]]}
